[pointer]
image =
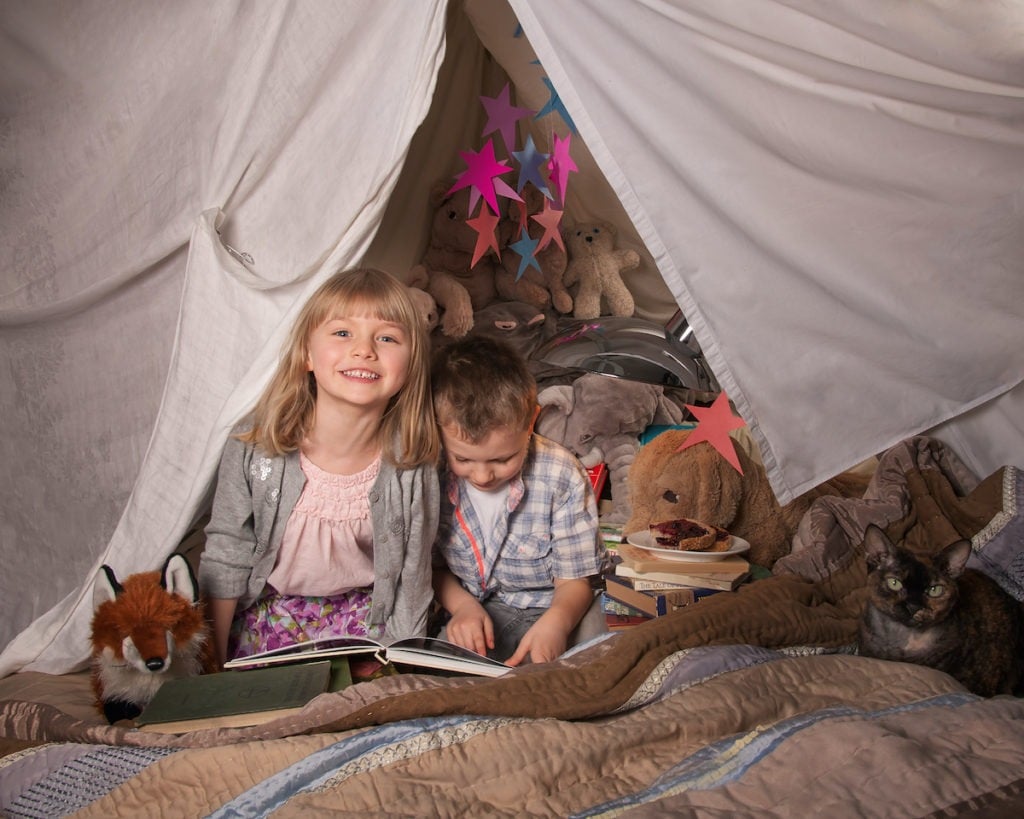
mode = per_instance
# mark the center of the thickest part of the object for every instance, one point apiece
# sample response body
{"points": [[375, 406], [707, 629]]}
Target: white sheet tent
{"points": [[832, 191]]}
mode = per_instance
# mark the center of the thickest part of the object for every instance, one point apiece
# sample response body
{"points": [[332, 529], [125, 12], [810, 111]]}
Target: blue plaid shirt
{"points": [[550, 530]]}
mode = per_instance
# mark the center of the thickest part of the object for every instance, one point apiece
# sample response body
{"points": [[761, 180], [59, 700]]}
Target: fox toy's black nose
{"points": [[154, 663]]}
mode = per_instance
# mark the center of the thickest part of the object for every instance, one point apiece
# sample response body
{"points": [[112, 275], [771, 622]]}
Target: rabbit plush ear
{"points": [[106, 587], [179, 579]]}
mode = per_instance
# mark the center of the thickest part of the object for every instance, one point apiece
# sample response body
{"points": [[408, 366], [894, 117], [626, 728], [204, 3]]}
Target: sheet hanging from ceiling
{"points": [[135, 134], [834, 193]]}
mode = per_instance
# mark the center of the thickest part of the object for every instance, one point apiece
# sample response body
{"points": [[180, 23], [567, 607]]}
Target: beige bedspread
{"points": [[746, 704]]}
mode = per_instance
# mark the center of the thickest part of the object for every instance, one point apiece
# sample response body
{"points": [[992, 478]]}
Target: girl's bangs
{"points": [[380, 303]]}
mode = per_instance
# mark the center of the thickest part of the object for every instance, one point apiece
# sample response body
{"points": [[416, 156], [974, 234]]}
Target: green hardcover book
{"points": [[235, 699]]}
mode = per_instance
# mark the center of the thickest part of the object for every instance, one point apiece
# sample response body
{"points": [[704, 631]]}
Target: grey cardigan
{"points": [[254, 499]]}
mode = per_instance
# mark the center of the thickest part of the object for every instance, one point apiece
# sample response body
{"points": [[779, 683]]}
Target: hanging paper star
{"points": [[550, 219], [530, 160], [555, 105], [481, 170], [502, 117], [484, 224], [561, 165], [524, 215], [525, 247], [713, 426], [502, 189]]}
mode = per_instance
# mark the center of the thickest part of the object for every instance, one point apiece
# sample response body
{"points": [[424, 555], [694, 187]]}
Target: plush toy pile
{"points": [[600, 419]]}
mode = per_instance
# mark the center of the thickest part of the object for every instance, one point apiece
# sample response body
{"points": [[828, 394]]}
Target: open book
{"points": [[422, 652]]}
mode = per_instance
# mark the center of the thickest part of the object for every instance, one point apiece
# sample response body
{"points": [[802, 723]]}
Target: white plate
{"points": [[737, 545]]}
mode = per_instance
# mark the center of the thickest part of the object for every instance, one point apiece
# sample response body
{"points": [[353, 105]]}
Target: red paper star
{"points": [[549, 218], [522, 218], [484, 225], [713, 425]]}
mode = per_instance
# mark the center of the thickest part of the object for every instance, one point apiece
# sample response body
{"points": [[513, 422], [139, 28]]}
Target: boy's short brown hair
{"points": [[480, 385]]}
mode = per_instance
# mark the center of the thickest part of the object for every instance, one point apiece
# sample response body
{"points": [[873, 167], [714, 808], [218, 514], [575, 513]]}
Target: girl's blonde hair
{"points": [[284, 413]]}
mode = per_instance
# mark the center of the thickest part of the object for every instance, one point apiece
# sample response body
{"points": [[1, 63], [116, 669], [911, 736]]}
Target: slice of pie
{"points": [[687, 535]]}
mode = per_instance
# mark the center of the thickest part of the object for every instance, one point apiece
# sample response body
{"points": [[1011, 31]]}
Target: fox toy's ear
{"points": [[179, 579], [106, 587]]}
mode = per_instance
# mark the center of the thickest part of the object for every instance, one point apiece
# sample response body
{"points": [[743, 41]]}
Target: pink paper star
{"points": [[502, 117], [713, 425], [503, 189], [481, 169], [486, 239], [560, 165], [549, 218]]}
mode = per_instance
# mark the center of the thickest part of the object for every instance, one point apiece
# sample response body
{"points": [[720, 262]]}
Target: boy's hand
{"points": [[548, 637], [470, 626], [544, 642]]}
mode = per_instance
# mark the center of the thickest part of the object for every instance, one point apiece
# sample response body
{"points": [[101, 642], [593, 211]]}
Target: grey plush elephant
{"points": [[600, 418]]}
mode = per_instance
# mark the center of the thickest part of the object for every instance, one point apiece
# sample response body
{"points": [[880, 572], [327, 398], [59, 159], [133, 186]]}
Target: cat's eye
{"points": [[670, 496], [936, 590], [893, 583]]}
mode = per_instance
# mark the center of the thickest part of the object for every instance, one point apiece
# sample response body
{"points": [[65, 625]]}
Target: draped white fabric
{"points": [[832, 191], [128, 129]]}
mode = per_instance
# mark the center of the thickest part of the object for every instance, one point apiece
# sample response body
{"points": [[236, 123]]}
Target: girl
{"points": [[327, 501]]}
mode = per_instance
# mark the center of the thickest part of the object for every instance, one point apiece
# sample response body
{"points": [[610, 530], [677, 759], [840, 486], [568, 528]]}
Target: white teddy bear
{"points": [[597, 266]]}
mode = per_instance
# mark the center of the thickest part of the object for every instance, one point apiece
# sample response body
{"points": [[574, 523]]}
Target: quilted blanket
{"points": [[751, 703]]}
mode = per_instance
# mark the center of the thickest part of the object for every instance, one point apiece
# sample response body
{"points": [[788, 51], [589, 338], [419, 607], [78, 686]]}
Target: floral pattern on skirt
{"points": [[276, 620]]}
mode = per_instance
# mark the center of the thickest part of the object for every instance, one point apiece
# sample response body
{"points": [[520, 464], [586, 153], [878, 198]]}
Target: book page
{"points": [[434, 648], [312, 649]]}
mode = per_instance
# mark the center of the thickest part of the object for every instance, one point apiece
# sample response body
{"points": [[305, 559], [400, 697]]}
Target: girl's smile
{"points": [[359, 360]]}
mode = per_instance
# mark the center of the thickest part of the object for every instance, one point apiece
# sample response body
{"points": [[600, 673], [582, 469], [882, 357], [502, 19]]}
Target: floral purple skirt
{"points": [[276, 620]]}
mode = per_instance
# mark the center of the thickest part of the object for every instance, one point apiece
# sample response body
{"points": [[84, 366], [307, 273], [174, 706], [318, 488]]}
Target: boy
{"points": [[519, 536]]}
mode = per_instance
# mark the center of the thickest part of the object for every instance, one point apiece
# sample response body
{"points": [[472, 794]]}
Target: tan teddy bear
{"points": [[458, 288], [542, 288], [424, 303], [597, 266], [698, 483]]}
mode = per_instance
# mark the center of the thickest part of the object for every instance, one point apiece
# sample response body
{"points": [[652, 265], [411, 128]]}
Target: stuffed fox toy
{"points": [[145, 630]]}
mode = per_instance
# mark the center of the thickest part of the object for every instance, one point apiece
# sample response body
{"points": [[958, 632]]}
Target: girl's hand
{"points": [[471, 627]]}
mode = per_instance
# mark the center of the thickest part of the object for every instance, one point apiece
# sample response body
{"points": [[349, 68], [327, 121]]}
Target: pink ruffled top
{"points": [[327, 546]]}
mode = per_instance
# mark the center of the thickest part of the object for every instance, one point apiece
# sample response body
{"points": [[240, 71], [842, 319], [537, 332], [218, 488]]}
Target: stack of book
{"points": [[654, 586], [619, 616]]}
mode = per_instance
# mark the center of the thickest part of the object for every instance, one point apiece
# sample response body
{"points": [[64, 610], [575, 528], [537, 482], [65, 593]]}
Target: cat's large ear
{"points": [[877, 546], [956, 556]]}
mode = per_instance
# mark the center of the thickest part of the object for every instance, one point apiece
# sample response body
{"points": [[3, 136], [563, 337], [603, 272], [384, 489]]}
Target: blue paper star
{"points": [[526, 247], [530, 161], [554, 105]]}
